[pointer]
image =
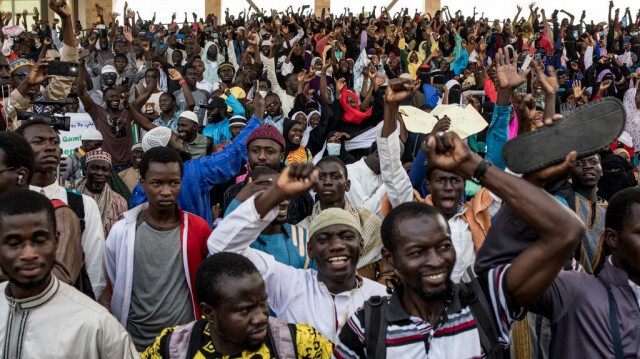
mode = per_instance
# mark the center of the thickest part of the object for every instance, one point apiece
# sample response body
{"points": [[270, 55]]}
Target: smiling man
{"points": [[98, 169], [591, 209], [332, 185], [35, 304], [427, 313], [324, 298], [156, 240], [236, 321]]}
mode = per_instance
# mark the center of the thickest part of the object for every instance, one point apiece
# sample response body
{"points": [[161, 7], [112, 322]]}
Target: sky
{"points": [[596, 9]]}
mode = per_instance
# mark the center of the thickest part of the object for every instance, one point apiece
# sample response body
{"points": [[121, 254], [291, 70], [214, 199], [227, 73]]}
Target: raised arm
{"points": [[175, 75], [558, 228], [395, 177], [83, 95]]}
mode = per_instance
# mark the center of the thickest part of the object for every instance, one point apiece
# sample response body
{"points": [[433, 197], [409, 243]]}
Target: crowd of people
{"points": [[256, 186]]}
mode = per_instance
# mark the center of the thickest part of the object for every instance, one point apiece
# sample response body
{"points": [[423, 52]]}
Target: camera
{"points": [[55, 117], [58, 123]]}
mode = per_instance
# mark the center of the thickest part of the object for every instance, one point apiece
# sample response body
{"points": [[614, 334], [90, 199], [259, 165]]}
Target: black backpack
{"points": [[77, 205]]}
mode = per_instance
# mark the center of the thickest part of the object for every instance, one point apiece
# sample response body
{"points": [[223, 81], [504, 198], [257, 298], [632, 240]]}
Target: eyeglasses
{"points": [[7, 169], [21, 75]]}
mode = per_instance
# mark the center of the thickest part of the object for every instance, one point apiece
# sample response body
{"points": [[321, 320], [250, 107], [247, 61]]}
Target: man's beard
{"points": [[435, 295]]}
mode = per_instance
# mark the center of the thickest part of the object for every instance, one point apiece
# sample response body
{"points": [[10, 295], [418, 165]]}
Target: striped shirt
{"points": [[454, 336]]}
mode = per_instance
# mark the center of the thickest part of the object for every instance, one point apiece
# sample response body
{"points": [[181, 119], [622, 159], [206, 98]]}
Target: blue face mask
{"points": [[333, 149]]}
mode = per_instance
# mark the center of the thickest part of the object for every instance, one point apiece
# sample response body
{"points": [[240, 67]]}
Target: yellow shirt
{"points": [[309, 344]]}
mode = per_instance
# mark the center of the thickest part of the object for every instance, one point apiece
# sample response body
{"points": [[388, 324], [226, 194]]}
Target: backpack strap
{"points": [[58, 203], [613, 321], [77, 205], [472, 295], [178, 342], [375, 327], [282, 336], [85, 282]]}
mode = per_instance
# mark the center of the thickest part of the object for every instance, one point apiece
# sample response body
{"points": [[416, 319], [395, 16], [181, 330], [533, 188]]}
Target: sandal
{"points": [[588, 129]]}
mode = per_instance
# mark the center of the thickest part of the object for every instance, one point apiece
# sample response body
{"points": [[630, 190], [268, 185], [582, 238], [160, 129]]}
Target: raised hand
{"points": [[114, 16], [380, 79], [604, 85], [175, 75], [61, 8], [37, 75], [340, 85], [549, 83], [126, 32], [578, 90], [447, 152], [398, 90], [507, 71], [525, 107], [297, 178]]}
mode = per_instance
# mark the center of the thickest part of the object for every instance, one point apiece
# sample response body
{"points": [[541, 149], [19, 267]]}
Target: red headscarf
{"points": [[352, 115]]}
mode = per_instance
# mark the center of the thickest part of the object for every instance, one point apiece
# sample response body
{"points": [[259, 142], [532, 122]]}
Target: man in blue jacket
{"points": [[200, 175]]}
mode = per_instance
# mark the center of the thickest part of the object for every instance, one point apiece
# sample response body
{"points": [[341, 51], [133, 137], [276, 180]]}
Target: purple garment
{"points": [[603, 74]]}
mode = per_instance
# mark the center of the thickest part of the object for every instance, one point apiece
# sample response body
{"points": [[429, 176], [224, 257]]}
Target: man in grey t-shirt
{"points": [[152, 255], [160, 293], [201, 97]]}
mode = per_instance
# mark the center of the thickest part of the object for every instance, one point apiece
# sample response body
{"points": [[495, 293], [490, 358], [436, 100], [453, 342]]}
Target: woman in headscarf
{"points": [[303, 120], [617, 174], [631, 104], [424, 50], [212, 58], [294, 151], [351, 105], [414, 63]]}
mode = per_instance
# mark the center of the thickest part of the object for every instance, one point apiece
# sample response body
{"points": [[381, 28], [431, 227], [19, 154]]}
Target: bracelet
{"points": [[481, 170], [182, 81]]}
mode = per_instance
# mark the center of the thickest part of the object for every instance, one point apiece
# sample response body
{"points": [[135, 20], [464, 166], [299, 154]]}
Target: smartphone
{"points": [[575, 34], [208, 28], [256, 87], [527, 62], [180, 36], [61, 68], [537, 57]]}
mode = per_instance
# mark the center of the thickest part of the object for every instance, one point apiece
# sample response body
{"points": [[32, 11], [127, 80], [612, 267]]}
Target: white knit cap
{"points": [[108, 69], [136, 146], [157, 137], [189, 115], [91, 134]]}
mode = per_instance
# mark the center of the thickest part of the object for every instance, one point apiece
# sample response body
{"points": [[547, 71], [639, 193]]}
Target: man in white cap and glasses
{"points": [[196, 144], [91, 140], [202, 174]]}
